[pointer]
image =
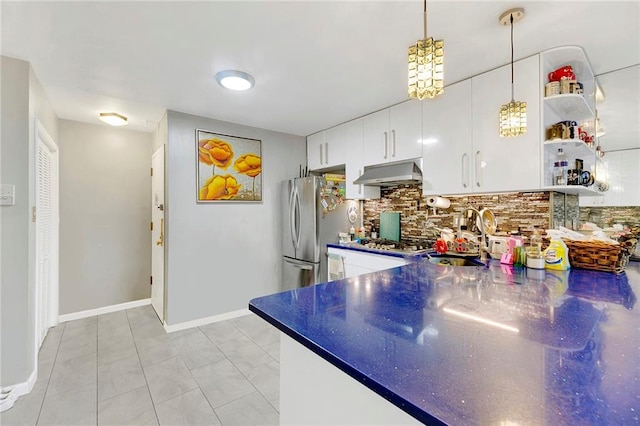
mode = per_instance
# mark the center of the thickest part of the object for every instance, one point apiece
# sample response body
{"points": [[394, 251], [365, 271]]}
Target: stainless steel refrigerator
{"points": [[306, 231]]}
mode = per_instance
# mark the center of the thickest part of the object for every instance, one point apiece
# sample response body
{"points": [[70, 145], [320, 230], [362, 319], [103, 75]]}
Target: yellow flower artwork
{"points": [[217, 152]]}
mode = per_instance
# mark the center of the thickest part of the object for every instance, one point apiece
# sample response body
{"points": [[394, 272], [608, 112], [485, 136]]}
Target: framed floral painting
{"points": [[229, 168]]}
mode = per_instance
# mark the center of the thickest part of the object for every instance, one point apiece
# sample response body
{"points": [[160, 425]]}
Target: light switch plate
{"points": [[7, 195]]}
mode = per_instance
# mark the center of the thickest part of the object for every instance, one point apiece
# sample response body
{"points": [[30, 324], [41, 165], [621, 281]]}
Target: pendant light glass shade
{"points": [[513, 116], [513, 119], [426, 66]]}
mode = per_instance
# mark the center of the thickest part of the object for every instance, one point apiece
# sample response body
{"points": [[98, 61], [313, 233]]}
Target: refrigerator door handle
{"points": [[300, 266], [297, 219], [292, 218]]}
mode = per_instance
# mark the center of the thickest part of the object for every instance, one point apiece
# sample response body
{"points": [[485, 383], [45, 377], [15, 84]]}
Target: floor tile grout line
{"points": [[240, 371], [55, 358], [143, 372]]}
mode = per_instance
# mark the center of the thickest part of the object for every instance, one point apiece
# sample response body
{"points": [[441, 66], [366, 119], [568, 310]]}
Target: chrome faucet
{"points": [[483, 239]]}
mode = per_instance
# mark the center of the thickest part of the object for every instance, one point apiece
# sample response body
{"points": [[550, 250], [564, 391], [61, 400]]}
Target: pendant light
{"points": [[513, 116], [426, 66]]}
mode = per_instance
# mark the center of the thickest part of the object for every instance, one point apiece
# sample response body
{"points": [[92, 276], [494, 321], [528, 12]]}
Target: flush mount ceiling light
{"points": [[235, 80], [113, 118], [513, 116], [426, 66]]}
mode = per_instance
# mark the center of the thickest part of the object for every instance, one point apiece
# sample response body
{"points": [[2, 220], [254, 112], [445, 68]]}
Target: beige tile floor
{"points": [[122, 368]]}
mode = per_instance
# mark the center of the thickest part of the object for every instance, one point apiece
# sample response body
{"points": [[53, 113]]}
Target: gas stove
{"points": [[396, 246]]}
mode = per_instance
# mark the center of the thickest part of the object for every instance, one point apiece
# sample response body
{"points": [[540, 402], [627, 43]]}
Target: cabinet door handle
{"points": [[326, 152], [478, 170], [359, 186], [393, 138], [385, 145], [321, 161], [465, 178]]}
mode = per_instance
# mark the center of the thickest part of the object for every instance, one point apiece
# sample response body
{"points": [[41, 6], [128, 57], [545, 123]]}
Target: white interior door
{"points": [[46, 220], [157, 232]]}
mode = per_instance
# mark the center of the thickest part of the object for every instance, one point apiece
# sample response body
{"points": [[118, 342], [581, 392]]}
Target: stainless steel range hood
{"points": [[406, 172]]}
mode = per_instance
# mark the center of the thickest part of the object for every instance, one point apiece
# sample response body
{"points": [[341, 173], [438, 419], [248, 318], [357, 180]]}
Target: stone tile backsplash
{"points": [[514, 211], [524, 210], [607, 216]]}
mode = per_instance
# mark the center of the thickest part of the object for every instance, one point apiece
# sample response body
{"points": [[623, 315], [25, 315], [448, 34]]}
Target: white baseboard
{"points": [[10, 394], [104, 310], [205, 321]]}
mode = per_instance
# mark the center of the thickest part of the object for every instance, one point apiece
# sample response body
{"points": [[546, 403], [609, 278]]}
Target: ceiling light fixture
{"points": [[113, 118], [426, 66], [513, 116], [235, 80]]}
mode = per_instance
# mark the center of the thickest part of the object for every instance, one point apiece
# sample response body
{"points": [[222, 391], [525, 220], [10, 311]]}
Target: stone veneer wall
{"points": [[527, 210], [608, 216], [565, 210]]}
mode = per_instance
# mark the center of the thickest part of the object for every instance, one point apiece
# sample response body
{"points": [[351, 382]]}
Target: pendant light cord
{"points": [[425, 19], [511, 21]]}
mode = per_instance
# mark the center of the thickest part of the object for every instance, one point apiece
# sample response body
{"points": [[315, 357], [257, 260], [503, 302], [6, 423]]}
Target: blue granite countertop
{"points": [[479, 345]]}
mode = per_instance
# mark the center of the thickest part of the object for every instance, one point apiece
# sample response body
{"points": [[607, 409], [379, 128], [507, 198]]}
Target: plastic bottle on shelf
{"points": [[560, 168]]}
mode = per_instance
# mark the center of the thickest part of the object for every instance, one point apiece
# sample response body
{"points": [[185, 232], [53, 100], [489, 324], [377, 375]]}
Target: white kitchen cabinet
{"points": [[393, 134], [327, 149], [621, 171], [447, 141], [358, 263], [355, 163], [315, 155], [501, 164]]}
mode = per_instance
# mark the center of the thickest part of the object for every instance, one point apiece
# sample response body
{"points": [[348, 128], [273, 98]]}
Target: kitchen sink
{"points": [[452, 260]]}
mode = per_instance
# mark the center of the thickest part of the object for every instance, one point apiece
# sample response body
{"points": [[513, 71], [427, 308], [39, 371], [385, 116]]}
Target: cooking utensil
{"points": [[487, 221]]}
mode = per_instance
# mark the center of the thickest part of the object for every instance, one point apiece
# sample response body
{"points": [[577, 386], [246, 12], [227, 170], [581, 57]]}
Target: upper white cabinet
{"points": [[327, 149], [506, 164], [575, 107], [462, 148], [620, 170], [447, 149], [393, 134], [355, 163]]}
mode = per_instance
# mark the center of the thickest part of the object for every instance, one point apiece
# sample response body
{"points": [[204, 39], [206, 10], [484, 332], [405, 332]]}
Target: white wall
{"points": [[23, 100], [222, 255], [105, 212]]}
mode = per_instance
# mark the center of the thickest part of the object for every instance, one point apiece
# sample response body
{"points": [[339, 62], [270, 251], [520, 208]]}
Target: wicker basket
{"points": [[600, 256]]}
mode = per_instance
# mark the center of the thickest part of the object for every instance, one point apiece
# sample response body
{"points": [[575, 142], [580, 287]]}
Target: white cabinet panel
{"points": [[405, 126], [355, 163], [621, 170], [335, 151], [376, 138], [358, 263], [447, 141], [393, 134], [506, 164], [630, 177], [327, 149], [315, 154]]}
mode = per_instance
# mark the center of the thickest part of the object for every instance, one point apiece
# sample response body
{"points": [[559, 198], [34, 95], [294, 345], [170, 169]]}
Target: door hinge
{"points": [[152, 171], [33, 214], [152, 226], [151, 280]]}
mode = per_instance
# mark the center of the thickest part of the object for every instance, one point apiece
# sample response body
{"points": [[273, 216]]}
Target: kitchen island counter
{"points": [[477, 345]]}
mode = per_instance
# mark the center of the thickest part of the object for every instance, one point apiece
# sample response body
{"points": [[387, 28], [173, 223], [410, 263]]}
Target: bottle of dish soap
{"points": [[556, 256]]}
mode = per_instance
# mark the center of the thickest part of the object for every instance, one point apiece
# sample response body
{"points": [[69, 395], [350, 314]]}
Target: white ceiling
{"points": [[316, 64]]}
